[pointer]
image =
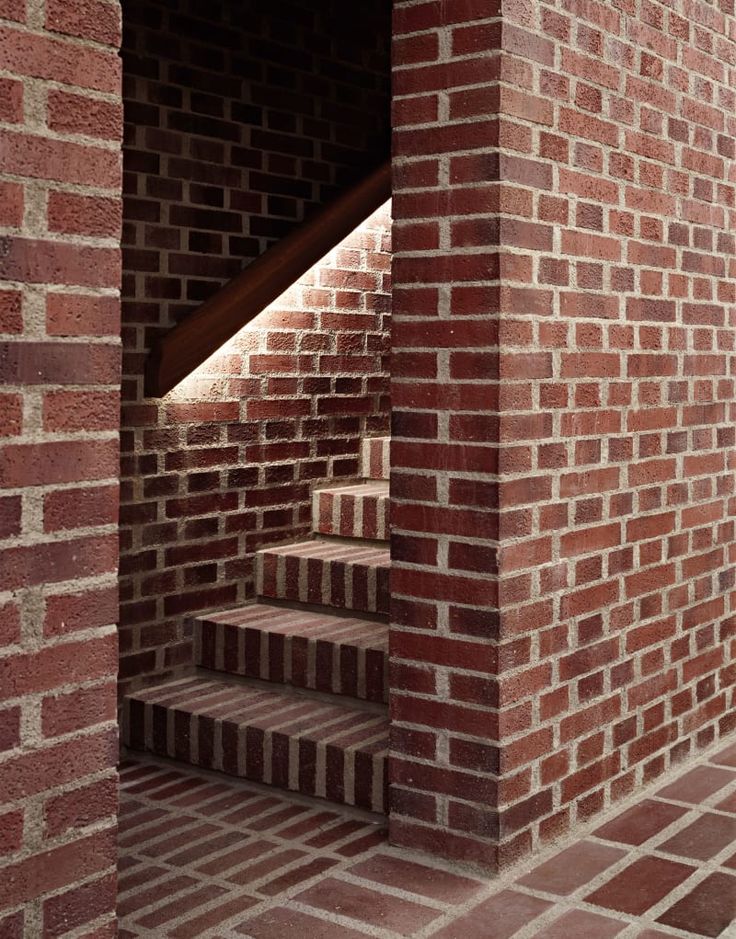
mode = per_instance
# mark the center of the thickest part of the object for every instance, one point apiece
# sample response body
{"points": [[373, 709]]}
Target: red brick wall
{"points": [[236, 125], [597, 153], [60, 181]]}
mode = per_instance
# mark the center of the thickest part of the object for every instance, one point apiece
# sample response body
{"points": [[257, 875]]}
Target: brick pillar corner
{"points": [[444, 760]]}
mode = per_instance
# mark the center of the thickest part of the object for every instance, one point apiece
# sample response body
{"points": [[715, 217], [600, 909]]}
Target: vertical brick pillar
{"points": [[444, 619], [60, 182], [606, 178]]}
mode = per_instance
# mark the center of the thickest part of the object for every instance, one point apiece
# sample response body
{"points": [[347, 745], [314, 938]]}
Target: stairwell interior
{"points": [[255, 496], [291, 690]]}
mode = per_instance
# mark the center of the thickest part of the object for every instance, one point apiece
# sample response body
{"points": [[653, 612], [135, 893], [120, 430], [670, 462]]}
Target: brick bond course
{"points": [[234, 131], [562, 384], [60, 130]]}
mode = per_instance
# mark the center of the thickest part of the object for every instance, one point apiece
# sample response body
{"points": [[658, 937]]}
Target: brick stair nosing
{"points": [[326, 652], [315, 745]]}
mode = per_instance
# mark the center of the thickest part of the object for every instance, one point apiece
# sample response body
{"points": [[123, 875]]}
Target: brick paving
{"points": [[206, 856]]}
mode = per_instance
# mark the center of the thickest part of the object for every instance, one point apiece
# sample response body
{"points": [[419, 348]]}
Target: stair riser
{"points": [[299, 661], [350, 777], [351, 516], [375, 458], [333, 583]]}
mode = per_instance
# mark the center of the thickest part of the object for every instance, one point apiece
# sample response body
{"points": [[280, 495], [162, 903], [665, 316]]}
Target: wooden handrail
{"points": [[192, 341]]}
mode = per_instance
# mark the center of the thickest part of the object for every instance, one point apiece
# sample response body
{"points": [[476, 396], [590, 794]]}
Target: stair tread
{"points": [[296, 715], [331, 653], [318, 745], [323, 627], [329, 549], [357, 511], [339, 573], [375, 457], [366, 487]]}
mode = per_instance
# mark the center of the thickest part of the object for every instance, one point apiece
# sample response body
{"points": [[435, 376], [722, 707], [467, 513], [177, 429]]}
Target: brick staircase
{"points": [[291, 690]]}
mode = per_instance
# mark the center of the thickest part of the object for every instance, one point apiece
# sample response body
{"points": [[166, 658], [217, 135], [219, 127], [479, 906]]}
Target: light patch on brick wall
{"points": [[329, 268]]}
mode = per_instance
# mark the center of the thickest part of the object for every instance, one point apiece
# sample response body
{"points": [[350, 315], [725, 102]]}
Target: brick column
{"points": [[60, 181], [445, 434], [594, 142]]}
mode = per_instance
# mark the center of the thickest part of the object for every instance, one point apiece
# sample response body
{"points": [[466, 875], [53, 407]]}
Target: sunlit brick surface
{"points": [[203, 856]]}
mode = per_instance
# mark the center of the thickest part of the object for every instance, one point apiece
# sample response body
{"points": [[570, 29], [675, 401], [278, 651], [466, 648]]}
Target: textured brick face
{"points": [[236, 126], [59, 419], [444, 454], [586, 319]]}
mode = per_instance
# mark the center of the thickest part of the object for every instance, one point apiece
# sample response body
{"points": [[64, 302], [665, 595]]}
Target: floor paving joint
{"points": [[203, 855]]}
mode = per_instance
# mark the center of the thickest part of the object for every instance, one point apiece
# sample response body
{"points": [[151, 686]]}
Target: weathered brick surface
{"points": [[236, 128], [562, 383], [60, 367], [219, 859]]}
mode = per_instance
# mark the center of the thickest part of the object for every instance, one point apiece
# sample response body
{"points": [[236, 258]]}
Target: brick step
{"points": [[359, 511], [287, 739], [323, 652], [375, 458], [341, 574]]}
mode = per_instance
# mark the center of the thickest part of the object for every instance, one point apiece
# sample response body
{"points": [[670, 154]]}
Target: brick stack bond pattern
{"points": [[60, 183], [236, 127], [563, 385], [228, 460]]}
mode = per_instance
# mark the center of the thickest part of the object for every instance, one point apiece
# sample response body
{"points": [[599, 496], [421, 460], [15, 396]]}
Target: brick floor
{"points": [[218, 858]]}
